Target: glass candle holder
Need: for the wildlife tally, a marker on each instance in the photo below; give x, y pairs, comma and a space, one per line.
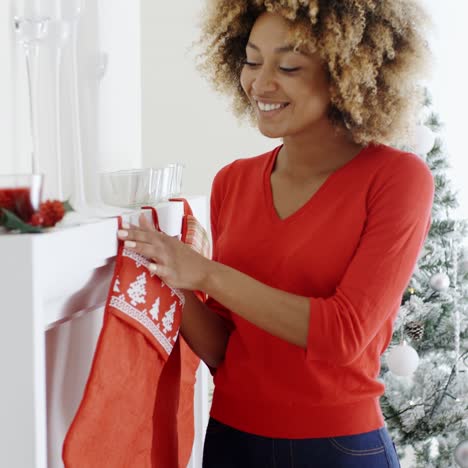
21, 194
156, 185
166, 182
176, 187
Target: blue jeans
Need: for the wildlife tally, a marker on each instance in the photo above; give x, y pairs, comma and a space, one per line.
226, 447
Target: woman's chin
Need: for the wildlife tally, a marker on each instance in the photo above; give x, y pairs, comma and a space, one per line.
270, 132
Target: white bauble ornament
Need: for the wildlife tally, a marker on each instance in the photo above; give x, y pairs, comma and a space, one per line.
464, 266
461, 454
464, 261
440, 282
402, 360
423, 140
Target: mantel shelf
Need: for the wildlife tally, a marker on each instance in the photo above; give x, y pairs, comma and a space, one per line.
53, 287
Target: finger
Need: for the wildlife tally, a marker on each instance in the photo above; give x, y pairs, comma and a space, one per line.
148, 250
145, 224
158, 269
133, 232
137, 235
128, 225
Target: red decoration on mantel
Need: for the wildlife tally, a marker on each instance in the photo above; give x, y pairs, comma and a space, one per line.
17, 212
37, 220
52, 212
7, 199
18, 201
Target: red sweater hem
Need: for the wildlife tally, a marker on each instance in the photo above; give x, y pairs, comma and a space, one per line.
290, 421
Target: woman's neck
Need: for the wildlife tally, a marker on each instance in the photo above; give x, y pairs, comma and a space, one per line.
315, 153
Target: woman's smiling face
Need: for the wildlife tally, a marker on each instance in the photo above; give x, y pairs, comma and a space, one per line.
288, 90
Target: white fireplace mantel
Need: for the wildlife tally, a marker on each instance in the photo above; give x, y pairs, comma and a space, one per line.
53, 288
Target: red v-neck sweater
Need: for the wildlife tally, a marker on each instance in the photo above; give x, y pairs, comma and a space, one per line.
351, 249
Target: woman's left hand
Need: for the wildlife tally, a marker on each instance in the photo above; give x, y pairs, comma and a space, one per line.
177, 264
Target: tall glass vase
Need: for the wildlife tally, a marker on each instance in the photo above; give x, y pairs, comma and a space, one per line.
30, 31
71, 13
78, 197
58, 38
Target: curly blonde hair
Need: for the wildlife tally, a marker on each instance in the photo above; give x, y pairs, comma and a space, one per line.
374, 50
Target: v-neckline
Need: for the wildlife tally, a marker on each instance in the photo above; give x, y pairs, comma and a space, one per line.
268, 190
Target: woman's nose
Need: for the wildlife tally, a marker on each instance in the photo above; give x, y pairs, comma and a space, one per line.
263, 82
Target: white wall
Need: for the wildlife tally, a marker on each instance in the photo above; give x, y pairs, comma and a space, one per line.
183, 119
120, 89
449, 86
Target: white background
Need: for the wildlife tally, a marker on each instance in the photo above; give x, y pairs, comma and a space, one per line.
449, 86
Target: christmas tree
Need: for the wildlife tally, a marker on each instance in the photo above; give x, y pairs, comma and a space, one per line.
427, 409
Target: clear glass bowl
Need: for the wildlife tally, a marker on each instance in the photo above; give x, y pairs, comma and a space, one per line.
21, 194
128, 188
136, 187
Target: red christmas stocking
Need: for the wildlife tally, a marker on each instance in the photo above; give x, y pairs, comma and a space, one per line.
128, 416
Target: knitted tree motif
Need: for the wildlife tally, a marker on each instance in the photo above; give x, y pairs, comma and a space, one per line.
154, 312
116, 285
137, 290
168, 319
136, 257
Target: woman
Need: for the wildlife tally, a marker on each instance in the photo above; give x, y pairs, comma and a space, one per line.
315, 241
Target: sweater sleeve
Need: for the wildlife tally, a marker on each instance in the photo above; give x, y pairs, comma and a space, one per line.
217, 195
399, 204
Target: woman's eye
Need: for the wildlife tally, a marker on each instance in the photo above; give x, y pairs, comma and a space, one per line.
283, 69
289, 70
250, 64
